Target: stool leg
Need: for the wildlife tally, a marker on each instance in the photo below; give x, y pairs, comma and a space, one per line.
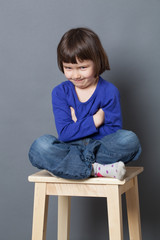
40, 211
64, 205
133, 211
114, 206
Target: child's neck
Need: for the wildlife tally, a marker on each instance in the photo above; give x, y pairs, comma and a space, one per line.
84, 94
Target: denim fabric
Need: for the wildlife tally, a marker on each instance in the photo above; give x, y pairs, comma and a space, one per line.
73, 160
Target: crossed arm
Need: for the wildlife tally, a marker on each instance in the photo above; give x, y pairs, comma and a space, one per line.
98, 117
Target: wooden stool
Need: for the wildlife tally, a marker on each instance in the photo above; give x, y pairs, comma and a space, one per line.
110, 188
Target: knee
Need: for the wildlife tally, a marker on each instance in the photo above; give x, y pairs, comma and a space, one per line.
43, 142
41, 145
130, 139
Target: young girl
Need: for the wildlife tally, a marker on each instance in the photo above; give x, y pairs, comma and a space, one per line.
87, 115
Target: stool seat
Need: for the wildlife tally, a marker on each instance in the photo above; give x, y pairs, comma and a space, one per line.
110, 188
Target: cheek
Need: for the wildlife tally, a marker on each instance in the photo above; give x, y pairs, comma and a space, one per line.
67, 74
90, 74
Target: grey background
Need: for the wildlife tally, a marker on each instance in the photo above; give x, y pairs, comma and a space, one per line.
29, 33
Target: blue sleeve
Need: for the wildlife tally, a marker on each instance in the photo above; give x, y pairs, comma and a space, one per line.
67, 129
112, 110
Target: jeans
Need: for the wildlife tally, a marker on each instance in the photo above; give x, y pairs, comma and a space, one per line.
73, 160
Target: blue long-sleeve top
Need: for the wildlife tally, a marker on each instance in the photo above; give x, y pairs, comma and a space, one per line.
105, 96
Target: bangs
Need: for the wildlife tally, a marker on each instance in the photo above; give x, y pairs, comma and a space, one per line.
75, 49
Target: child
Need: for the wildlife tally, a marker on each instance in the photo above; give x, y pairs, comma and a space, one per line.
87, 115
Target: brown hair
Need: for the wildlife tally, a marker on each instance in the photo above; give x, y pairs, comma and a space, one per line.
82, 44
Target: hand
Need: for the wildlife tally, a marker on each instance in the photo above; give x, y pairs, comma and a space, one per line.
73, 115
99, 118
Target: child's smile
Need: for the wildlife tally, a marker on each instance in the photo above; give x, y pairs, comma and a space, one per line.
81, 74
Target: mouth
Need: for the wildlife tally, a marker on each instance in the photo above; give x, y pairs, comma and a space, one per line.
78, 80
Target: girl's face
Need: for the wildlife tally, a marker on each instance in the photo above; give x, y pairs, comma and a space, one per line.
81, 74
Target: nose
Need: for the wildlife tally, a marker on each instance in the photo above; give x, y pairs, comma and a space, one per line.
76, 74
